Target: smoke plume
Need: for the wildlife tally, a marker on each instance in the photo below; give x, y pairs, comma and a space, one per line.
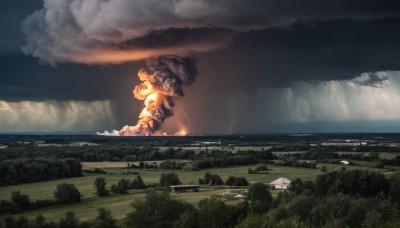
162, 80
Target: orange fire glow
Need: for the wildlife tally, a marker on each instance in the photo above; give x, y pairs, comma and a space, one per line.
162, 80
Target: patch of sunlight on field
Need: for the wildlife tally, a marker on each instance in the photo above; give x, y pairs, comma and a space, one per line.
101, 165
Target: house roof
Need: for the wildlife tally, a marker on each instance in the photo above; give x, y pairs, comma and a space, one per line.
281, 181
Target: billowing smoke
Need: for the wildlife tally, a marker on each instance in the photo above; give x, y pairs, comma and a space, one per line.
162, 80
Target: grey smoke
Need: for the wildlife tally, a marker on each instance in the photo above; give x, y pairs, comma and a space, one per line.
162, 80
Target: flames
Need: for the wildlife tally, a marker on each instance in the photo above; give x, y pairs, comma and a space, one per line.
162, 80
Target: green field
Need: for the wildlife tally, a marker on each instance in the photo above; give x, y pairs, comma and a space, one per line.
119, 204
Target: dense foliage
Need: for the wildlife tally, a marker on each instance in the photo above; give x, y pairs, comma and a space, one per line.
236, 181
211, 179
123, 185
302, 205
67, 193
100, 184
20, 171
168, 179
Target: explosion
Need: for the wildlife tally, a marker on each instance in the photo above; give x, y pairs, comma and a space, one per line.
162, 80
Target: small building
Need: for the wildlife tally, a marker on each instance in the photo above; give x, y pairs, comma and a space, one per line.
280, 183
184, 188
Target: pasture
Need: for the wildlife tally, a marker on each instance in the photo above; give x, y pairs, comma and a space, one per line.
119, 205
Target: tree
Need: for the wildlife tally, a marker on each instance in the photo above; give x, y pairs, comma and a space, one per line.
138, 183
168, 179
262, 167
104, 219
301, 206
394, 190
100, 184
69, 221
216, 180
284, 198
236, 181
213, 212
21, 200
67, 193
207, 177
260, 198
256, 221
121, 187
11, 222
296, 186
156, 210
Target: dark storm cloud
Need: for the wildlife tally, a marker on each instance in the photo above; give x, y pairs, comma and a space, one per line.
242, 48
12, 12
90, 31
324, 51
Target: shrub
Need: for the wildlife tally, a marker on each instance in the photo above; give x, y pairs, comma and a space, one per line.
67, 193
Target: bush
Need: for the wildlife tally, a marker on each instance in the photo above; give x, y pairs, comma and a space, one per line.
168, 179
69, 221
104, 219
138, 183
39, 203
236, 181
156, 210
215, 180
67, 193
121, 187
262, 167
21, 200
260, 198
100, 184
211, 179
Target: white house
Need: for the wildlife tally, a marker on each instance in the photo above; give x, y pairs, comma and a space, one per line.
345, 162
280, 183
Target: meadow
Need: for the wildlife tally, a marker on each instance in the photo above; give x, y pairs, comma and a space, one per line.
119, 205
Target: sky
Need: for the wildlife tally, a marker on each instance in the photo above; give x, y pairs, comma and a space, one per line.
264, 66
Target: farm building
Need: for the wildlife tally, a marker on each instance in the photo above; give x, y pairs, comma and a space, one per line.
280, 183
345, 162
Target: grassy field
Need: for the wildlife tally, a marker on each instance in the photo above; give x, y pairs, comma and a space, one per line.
119, 204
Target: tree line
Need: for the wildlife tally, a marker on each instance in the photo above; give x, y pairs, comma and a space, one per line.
20, 171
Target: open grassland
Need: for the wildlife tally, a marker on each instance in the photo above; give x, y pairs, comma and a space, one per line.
120, 204
102, 165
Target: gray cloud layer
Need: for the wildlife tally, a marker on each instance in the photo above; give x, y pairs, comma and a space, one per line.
114, 31
54, 115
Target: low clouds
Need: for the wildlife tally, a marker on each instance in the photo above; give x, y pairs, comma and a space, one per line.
378, 79
113, 31
334, 101
54, 116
